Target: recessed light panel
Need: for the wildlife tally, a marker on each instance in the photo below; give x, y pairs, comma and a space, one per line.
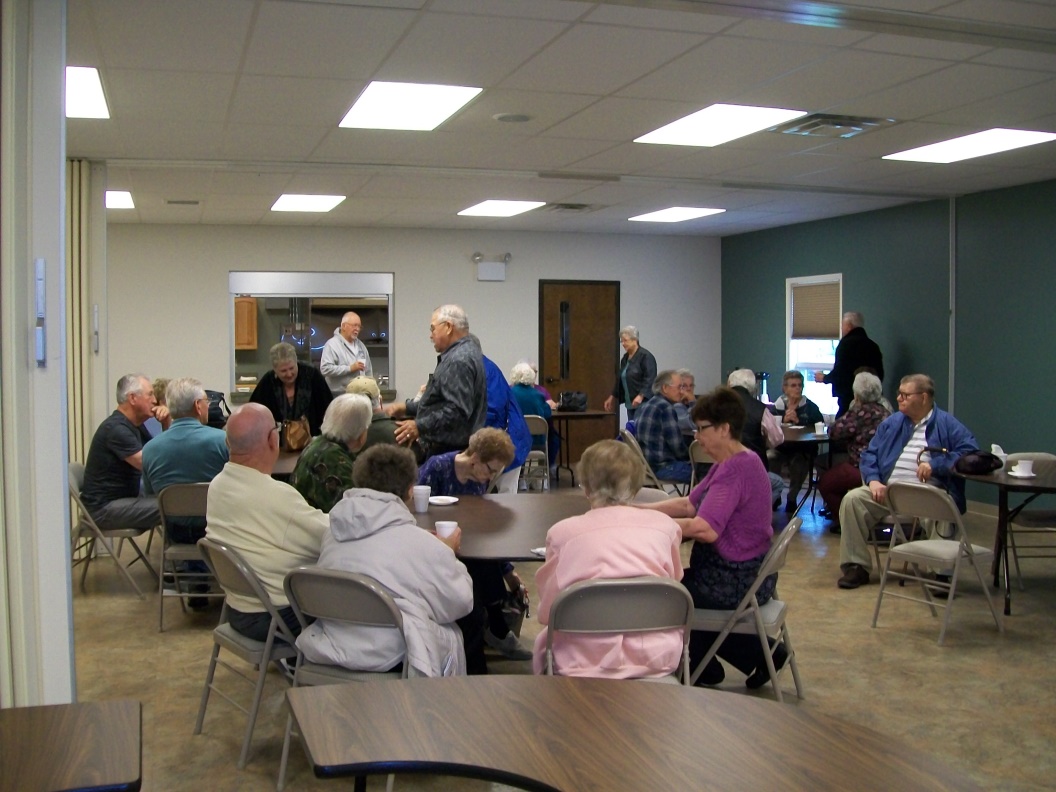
289, 202
84, 93
500, 208
119, 199
717, 124
992, 141
389, 105
675, 214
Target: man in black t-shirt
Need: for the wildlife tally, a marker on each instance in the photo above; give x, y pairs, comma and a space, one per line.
115, 459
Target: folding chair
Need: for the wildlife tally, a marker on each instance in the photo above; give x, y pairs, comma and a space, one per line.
537, 466
750, 618
698, 456
348, 598
650, 477
1035, 523
623, 605
925, 502
85, 533
235, 576
181, 500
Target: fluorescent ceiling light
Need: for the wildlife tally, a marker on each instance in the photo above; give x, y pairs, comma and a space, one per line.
676, 214
119, 199
500, 208
84, 93
717, 124
289, 202
979, 144
389, 105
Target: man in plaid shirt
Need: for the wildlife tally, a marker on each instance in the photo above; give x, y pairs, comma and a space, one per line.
658, 432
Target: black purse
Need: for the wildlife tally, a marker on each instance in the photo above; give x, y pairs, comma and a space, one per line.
974, 463
572, 401
218, 409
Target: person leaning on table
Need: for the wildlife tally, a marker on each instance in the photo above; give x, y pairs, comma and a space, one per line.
899, 451
293, 390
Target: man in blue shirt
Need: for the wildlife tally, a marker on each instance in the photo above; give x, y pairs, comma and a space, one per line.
658, 433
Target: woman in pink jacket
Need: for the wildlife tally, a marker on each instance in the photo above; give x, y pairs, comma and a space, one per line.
612, 540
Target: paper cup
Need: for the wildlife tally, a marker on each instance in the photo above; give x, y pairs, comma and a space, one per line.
444, 528
1024, 467
819, 427
421, 498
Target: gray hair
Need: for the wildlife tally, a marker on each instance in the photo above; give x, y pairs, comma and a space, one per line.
867, 388
630, 331
131, 383
455, 315
742, 378
611, 473
522, 374
922, 381
181, 394
684, 372
663, 378
854, 319
282, 353
347, 417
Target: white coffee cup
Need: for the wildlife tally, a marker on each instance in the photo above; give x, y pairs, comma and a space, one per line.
819, 427
421, 498
1024, 467
444, 528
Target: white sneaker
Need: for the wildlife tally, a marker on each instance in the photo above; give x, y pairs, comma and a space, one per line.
509, 647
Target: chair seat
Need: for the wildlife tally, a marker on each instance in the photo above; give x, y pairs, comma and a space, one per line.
312, 674
937, 550
773, 613
249, 649
1035, 518
183, 552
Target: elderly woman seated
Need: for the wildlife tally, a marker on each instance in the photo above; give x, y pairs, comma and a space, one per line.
293, 390
372, 532
470, 472
612, 540
856, 427
324, 468
727, 516
533, 402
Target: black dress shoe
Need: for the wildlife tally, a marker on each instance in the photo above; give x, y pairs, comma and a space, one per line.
761, 675
713, 673
790, 505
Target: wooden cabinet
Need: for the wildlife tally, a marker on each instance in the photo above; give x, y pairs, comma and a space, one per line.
245, 323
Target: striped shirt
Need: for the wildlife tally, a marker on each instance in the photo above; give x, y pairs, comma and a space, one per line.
906, 465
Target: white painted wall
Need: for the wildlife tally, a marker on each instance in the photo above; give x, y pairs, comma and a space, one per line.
170, 312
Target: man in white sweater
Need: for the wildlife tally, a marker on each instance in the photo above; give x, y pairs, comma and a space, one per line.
268, 522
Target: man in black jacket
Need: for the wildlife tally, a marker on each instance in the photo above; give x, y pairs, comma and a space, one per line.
855, 350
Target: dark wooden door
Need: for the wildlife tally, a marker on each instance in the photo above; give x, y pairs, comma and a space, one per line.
579, 325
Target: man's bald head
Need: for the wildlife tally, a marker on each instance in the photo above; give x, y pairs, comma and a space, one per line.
248, 430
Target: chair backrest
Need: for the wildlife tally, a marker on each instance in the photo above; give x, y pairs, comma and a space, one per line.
650, 477
183, 500
923, 502
76, 473
337, 595
537, 425
698, 456
651, 495
775, 557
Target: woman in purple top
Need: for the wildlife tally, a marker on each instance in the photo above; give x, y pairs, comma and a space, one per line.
728, 517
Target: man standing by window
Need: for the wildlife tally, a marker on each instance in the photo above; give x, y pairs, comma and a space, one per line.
855, 350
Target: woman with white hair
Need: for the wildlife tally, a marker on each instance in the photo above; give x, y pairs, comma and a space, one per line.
532, 402
634, 380
856, 427
324, 469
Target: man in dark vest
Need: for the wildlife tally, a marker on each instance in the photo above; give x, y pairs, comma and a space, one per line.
855, 350
761, 428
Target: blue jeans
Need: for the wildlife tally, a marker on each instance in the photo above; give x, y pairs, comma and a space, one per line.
675, 471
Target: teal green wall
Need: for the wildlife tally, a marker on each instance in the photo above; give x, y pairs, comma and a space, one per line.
895, 266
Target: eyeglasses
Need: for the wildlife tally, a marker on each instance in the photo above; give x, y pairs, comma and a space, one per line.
904, 395
433, 327
701, 427
685, 387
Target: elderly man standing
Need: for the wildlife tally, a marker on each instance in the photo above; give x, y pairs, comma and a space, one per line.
188, 453
920, 442
344, 355
658, 432
455, 401
855, 350
115, 459
267, 521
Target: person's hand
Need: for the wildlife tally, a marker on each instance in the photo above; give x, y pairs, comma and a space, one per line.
359, 365
790, 415
878, 491
161, 412
819, 376
552, 403
610, 404
454, 541
406, 432
395, 410
637, 400
924, 471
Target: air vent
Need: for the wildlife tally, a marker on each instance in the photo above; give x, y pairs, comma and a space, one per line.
570, 208
178, 202
832, 126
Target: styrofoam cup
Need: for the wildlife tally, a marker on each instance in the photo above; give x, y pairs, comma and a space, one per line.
421, 498
1024, 467
819, 427
444, 528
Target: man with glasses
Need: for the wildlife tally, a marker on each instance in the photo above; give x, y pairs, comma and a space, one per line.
115, 459
905, 448
686, 399
454, 403
344, 355
189, 452
656, 428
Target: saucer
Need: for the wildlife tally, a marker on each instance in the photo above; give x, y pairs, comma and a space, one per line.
1014, 474
442, 500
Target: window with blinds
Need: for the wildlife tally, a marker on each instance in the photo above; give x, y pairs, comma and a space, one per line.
815, 310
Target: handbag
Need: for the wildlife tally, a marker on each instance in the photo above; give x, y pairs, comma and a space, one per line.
572, 401
296, 434
218, 409
974, 463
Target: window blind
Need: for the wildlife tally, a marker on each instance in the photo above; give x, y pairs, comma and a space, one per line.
816, 310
